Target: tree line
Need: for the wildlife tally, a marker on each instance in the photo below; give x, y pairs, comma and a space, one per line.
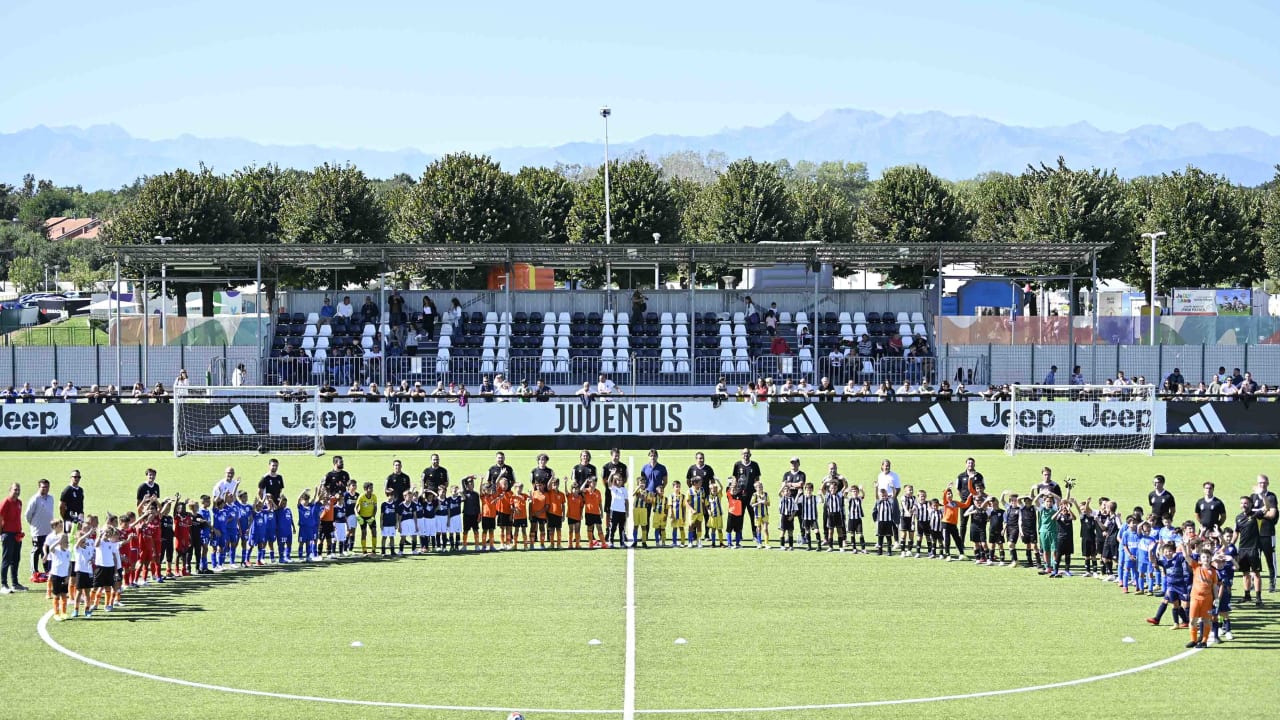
1219, 233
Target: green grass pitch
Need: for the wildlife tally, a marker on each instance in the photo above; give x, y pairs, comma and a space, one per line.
762, 629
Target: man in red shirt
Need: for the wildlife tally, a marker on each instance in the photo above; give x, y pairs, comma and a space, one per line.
10, 539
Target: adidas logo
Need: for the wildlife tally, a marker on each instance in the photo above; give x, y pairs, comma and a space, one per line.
235, 422
808, 422
933, 422
1204, 421
108, 423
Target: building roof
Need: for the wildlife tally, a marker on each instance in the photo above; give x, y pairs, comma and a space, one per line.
992, 257
65, 228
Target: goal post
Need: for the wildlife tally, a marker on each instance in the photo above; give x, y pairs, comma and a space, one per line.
236, 420
1083, 419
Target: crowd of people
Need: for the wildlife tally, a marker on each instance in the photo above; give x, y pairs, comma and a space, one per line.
89, 560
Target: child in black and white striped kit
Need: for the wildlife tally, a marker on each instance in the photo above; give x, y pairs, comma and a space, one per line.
809, 517
856, 495
923, 537
833, 514
935, 529
882, 512
908, 524
788, 507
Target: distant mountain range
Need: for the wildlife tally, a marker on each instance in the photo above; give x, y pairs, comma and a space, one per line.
106, 156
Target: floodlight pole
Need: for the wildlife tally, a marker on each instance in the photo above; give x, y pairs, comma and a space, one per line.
164, 296
605, 112
656, 272
119, 351
1151, 309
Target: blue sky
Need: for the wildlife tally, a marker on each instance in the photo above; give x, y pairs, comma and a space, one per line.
476, 76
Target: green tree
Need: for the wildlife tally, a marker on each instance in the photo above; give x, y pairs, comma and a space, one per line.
822, 213
18, 242
641, 204
908, 204
994, 201
693, 165
748, 203
27, 273
47, 202
1210, 240
1077, 206
1270, 231
463, 199
333, 205
258, 195
550, 196
850, 179
194, 208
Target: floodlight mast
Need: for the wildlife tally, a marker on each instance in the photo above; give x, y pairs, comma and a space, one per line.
605, 112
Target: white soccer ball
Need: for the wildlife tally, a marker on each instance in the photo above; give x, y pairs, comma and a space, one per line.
515, 716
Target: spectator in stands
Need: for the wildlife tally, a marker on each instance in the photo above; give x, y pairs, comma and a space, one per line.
639, 303
27, 393
340, 364
394, 348
327, 311
345, 310
1248, 388
411, 340
584, 393
1051, 377
905, 390
486, 389
944, 390
373, 393
355, 392
1077, 377
53, 391
804, 390
786, 391
1175, 380
605, 386
921, 346
835, 362
849, 390
110, 395
429, 313
722, 389
524, 393
159, 394
778, 346
803, 337
440, 393
327, 391
503, 389
764, 390
771, 319
369, 310
885, 392
1236, 378
461, 395
238, 375
139, 393
182, 381
864, 348
895, 346
455, 315
1215, 385
70, 392
543, 392
825, 390
752, 313
395, 307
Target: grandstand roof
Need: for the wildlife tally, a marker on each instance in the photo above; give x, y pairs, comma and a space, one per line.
989, 256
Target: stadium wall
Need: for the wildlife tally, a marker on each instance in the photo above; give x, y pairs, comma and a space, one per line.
674, 424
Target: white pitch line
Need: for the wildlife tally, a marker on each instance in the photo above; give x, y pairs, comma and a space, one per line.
629, 674
42, 628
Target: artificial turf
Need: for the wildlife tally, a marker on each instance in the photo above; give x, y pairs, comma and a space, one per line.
511, 629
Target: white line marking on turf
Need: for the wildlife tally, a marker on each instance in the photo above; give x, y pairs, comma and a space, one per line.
629, 674
42, 628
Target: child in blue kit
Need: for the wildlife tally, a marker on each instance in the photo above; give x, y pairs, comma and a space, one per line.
1129, 538
1146, 565
225, 532
308, 526
1165, 533
1177, 585
284, 530
244, 519
264, 528
1224, 561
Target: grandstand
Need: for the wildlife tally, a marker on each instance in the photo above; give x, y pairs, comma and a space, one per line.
690, 339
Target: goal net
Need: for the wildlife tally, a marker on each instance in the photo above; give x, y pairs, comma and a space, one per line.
225, 420
1083, 419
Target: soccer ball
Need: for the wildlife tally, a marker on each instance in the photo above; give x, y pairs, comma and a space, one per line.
262, 449
515, 716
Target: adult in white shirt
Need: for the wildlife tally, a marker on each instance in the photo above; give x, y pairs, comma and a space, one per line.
70, 392
605, 386
227, 485
346, 309
888, 479
237, 375
106, 559
181, 382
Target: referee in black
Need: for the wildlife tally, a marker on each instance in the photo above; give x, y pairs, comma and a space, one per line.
1161, 501
746, 472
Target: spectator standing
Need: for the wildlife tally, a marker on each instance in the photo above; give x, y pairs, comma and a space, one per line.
238, 375
771, 319
10, 539
429, 313
455, 315
1077, 377
1051, 378
638, 306
39, 517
